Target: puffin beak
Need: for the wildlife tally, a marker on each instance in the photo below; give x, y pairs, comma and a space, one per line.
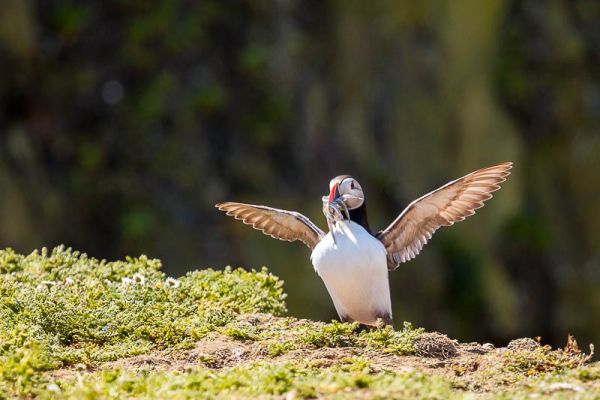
335, 193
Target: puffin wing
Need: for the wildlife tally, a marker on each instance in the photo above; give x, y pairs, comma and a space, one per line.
279, 224
453, 202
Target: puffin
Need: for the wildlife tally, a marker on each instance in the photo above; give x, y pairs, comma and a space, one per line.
352, 260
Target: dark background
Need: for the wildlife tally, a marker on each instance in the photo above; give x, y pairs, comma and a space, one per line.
122, 122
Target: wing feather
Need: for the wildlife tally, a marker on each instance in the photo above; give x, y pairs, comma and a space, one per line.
453, 202
279, 224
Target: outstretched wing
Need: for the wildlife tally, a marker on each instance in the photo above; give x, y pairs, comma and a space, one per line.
453, 202
279, 224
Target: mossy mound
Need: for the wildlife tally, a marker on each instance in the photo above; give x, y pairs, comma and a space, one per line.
76, 327
61, 308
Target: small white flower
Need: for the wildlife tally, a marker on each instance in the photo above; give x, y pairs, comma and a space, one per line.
139, 279
45, 285
53, 387
172, 283
69, 281
125, 282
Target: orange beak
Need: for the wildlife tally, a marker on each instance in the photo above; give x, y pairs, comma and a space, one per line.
335, 193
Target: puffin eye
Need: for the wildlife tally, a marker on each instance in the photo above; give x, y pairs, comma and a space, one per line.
352, 185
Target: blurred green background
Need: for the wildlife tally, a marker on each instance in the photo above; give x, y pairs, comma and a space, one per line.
122, 122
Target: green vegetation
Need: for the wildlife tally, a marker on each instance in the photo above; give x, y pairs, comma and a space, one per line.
351, 378
76, 327
61, 308
540, 361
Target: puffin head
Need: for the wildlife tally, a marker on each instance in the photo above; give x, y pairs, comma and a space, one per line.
346, 201
346, 189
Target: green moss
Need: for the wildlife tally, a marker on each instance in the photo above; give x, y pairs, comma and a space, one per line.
241, 331
335, 334
354, 379
540, 361
579, 383
397, 342
588, 374
20, 367
279, 348
61, 307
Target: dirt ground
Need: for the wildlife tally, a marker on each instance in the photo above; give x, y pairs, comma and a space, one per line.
472, 366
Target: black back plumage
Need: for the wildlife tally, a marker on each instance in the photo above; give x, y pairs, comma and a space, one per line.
359, 215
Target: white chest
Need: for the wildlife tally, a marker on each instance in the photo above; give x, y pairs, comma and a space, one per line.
354, 270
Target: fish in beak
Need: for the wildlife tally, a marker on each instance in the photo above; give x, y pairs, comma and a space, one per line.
334, 196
